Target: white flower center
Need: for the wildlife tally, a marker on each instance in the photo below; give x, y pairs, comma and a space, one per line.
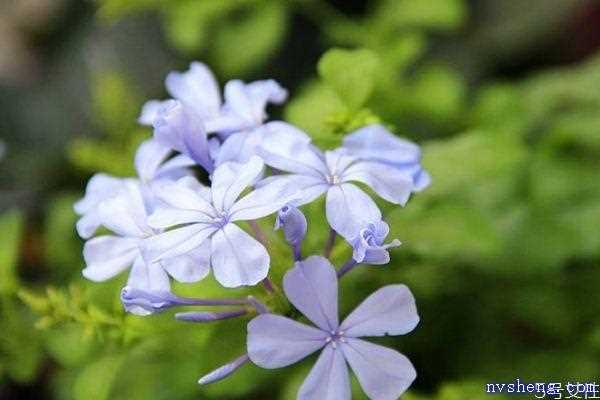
333, 179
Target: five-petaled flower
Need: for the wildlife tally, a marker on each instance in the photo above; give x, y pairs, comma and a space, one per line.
349, 209
204, 221
312, 287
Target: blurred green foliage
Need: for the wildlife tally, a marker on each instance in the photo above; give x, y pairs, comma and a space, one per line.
502, 251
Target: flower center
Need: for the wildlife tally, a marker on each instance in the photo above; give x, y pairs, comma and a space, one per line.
221, 220
335, 337
333, 179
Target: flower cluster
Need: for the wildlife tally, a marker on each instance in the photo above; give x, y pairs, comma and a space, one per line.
167, 223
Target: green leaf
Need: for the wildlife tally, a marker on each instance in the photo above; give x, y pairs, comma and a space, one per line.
63, 249
116, 105
452, 231
20, 349
187, 23
11, 226
311, 110
111, 10
247, 43
438, 15
96, 380
350, 73
476, 163
437, 93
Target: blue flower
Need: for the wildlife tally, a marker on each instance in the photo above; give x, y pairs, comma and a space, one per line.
197, 111
203, 221
152, 164
106, 256
348, 208
312, 287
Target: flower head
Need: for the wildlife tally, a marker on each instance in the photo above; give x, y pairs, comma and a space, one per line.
204, 221
196, 111
106, 256
348, 208
311, 286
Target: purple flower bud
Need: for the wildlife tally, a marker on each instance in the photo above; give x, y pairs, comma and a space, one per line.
369, 247
294, 227
209, 316
142, 302
224, 371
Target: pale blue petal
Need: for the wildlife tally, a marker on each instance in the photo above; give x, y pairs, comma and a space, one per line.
190, 267
186, 194
312, 287
177, 127
249, 101
422, 180
107, 256
175, 168
349, 209
309, 187
230, 179
237, 258
384, 374
197, 88
163, 218
376, 143
150, 111
175, 242
240, 146
88, 224
148, 158
275, 341
390, 310
338, 162
150, 277
99, 188
288, 149
391, 184
125, 214
328, 379
239, 103
264, 201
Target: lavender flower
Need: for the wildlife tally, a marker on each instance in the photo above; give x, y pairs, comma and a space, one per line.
106, 256
311, 286
152, 165
375, 143
348, 208
198, 214
369, 247
197, 111
294, 227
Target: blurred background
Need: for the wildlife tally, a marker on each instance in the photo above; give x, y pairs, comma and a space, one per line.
502, 252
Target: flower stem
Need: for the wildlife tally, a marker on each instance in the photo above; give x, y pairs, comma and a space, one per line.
212, 302
329, 244
258, 306
268, 285
258, 233
347, 267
